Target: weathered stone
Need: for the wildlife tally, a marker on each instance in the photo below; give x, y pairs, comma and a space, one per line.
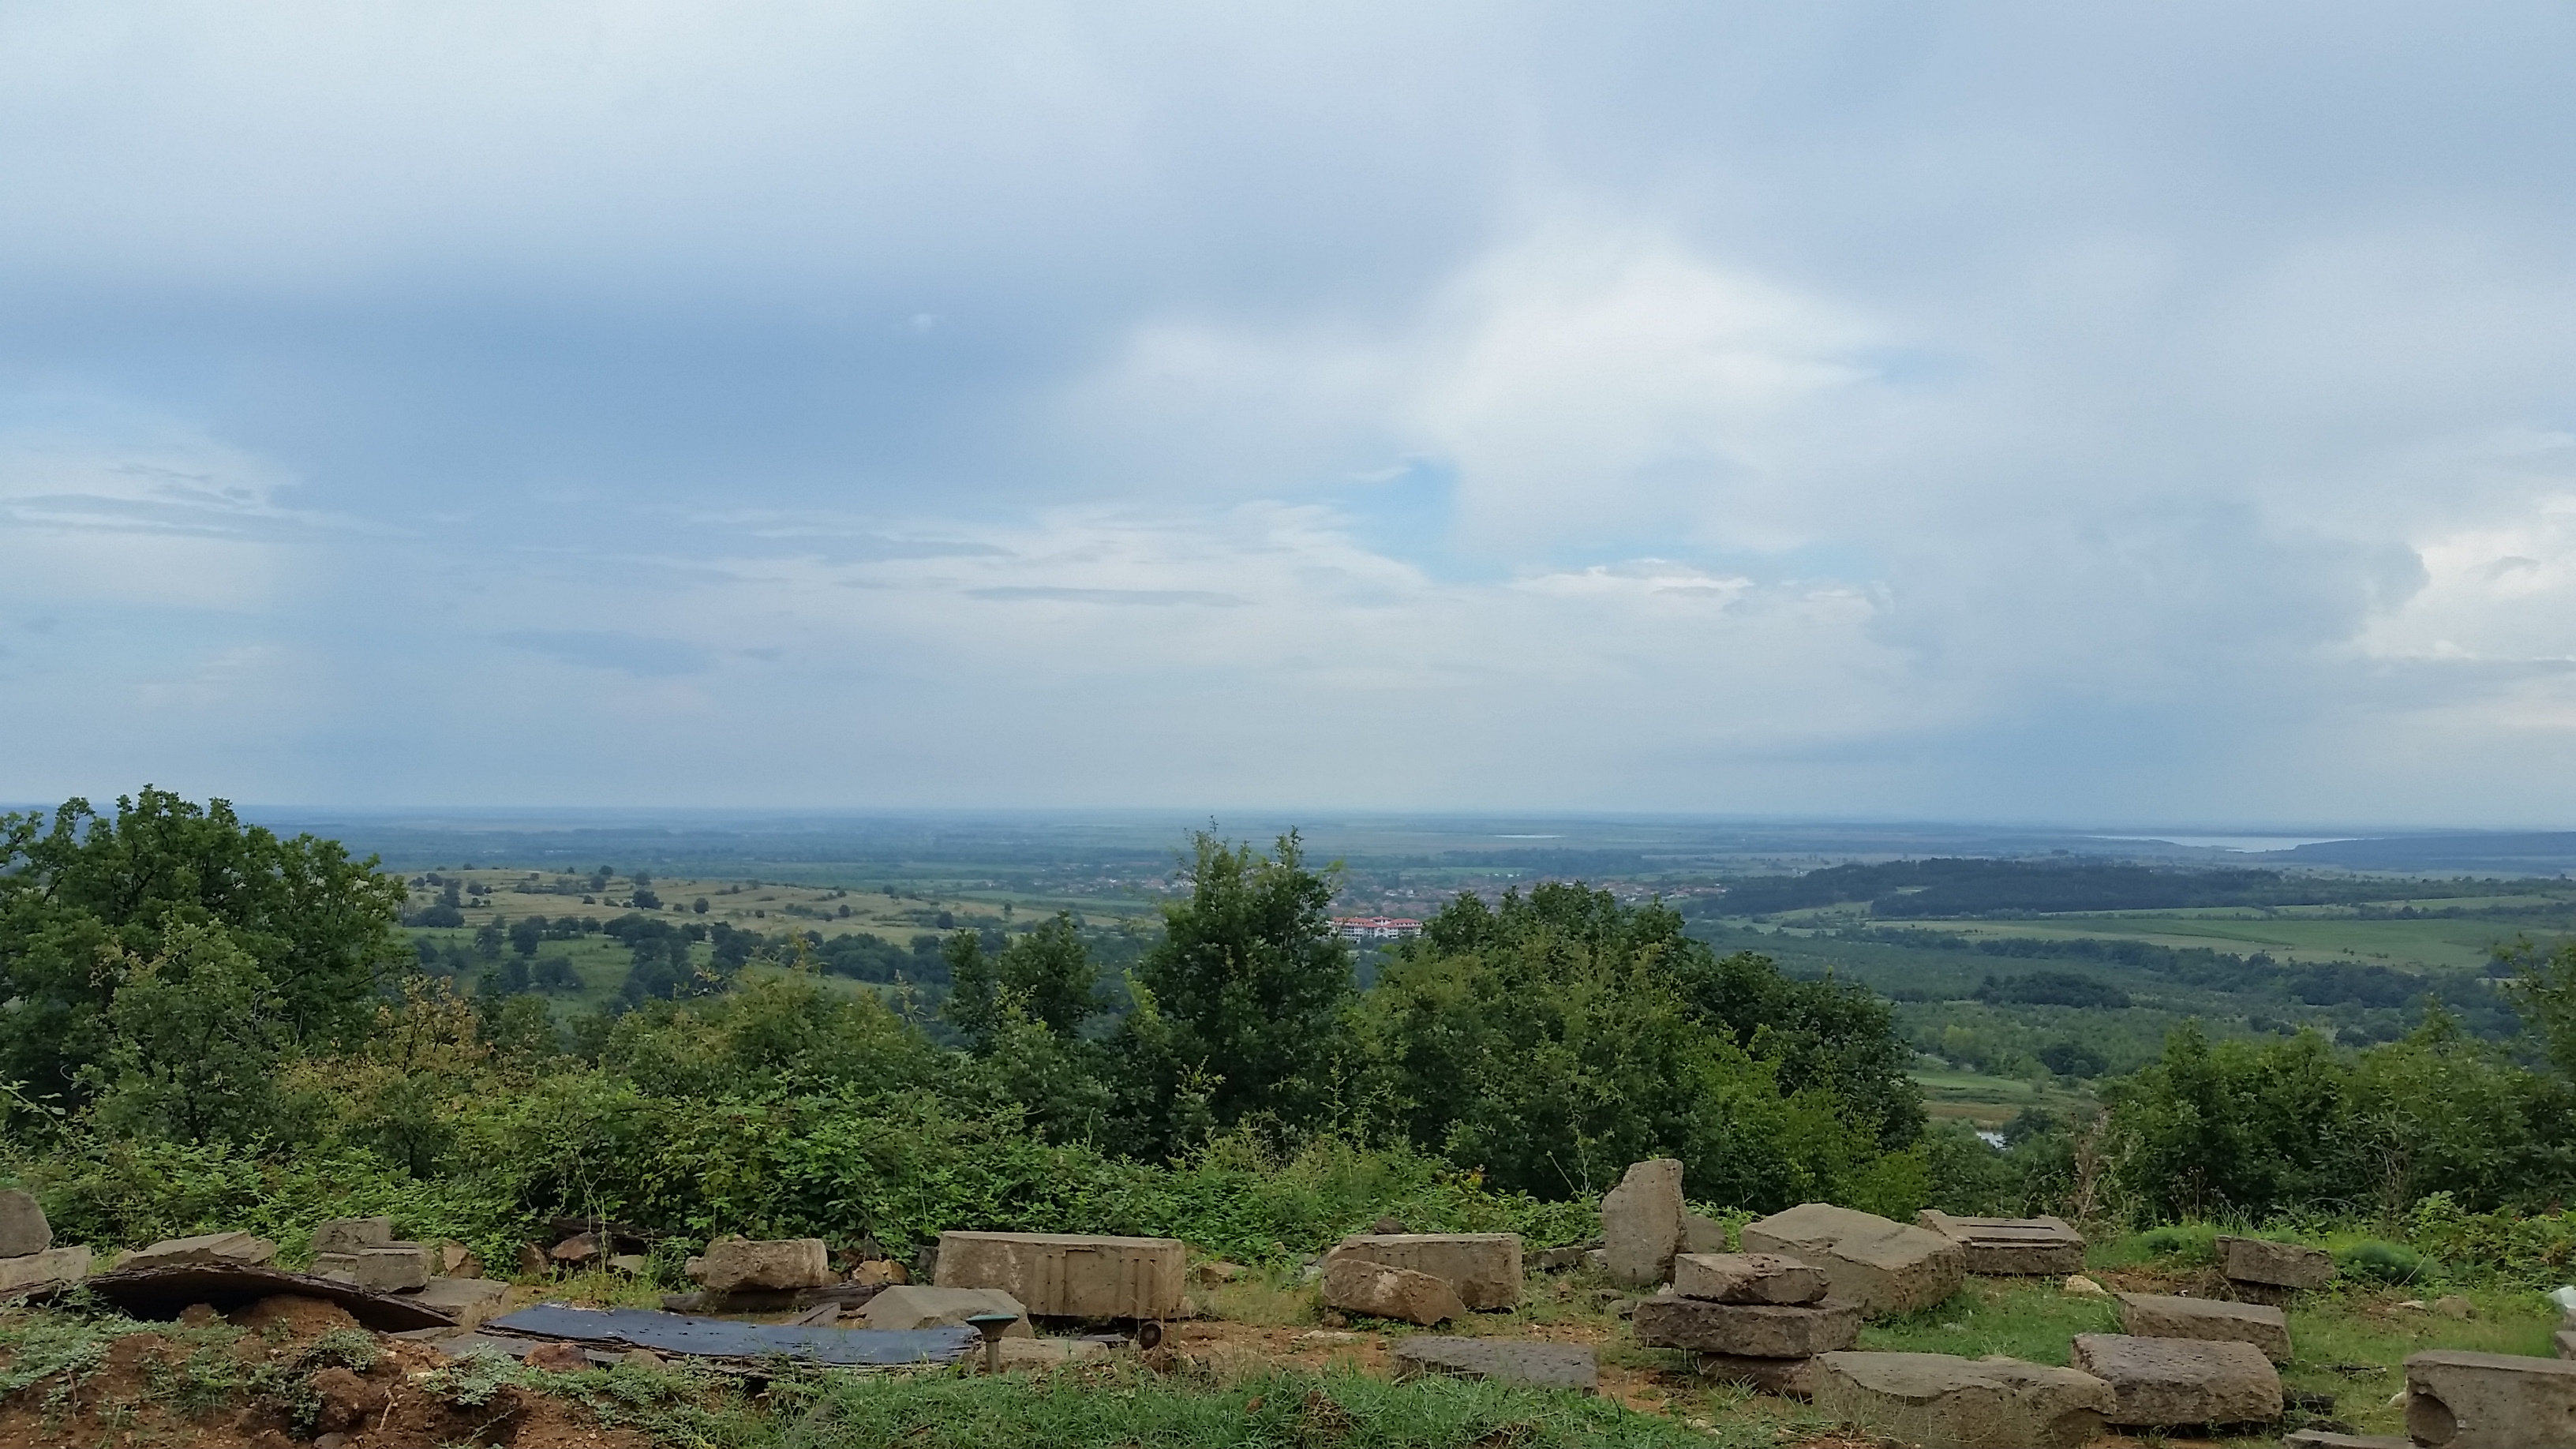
578, 1249
1597, 1260
2282, 1265
1558, 1260
2565, 1339
2032, 1247
468, 1300
2162, 1315
389, 1268
631, 1264
2165, 1382
914, 1307
734, 1264
1483, 1268
203, 1248
533, 1260
2079, 1286
1747, 1278
1749, 1330
556, 1358
1641, 1222
1388, 1227
346, 1235
1511, 1361
23, 1229
1702, 1233
1788, 1378
2326, 1439
1062, 1275
2461, 1400
1886, 1267
30, 1271
1942, 1402
452, 1259
1356, 1285
2453, 1305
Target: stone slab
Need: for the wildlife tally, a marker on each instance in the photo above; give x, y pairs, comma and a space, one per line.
1641, 1222
731, 1265
1787, 1378
1511, 1361
241, 1248
23, 1229
468, 1300
2164, 1315
2173, 1382
2280, 1265
1484, 1268
1064, 1275
51, 1267
2565, 1342
387, 1268
914, 1306
1942, 1402
1886, 1267
1702, 1233
2456, 1399
2010, 1247
1748, 1330
345, 1235
1356, 1285
1747, 1278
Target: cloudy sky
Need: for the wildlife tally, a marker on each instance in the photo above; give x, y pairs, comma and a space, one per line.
2158, 413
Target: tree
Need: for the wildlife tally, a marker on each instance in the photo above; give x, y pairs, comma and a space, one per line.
317, 924
1246, 988
198, 1032
527, 934
1045, 975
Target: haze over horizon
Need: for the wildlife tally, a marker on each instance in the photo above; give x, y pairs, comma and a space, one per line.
2162, 414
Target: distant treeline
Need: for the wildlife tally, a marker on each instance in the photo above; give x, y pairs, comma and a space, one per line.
1921, 889
2315, 983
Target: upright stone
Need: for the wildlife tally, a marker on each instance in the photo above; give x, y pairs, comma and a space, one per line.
347, 1235
909, 1306
1510, 1361
1748, 1330
2461, 1400
1484, 1268
1641, 1222
2278, 1265
737, 1265
1356, 1285
1941, 1402
23, 1229
2004, 1247
1747, 1278
1702, 1233
1886, 1267
2169, 1382
2163, 1315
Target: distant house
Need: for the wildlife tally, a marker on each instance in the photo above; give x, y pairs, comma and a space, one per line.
1375, 928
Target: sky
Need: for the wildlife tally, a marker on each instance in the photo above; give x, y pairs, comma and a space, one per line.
2157, 413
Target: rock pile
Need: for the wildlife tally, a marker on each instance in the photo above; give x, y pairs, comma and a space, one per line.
1423, 1278
1756, 1318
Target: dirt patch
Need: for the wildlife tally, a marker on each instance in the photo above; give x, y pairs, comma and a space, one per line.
293, 1317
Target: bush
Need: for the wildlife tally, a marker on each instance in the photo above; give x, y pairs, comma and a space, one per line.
2380, 1262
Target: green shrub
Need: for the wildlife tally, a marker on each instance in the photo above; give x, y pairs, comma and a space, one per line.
2381, 1262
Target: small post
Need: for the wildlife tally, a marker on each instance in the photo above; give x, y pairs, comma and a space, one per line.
991, 1325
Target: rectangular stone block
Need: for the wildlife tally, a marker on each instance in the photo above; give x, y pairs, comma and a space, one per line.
1886, 1267
387, 1268
2163, 1315
1484, 1268
203, 1248
1511, 1361
2003, 1247
2281, 1265
2456, 1399
29, 1271
1061, 1275
1748, 1330
1938, 1401
347, 1235
1747, 1278
2160, 1383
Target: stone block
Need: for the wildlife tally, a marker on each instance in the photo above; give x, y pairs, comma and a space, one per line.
1511, 1361
1886, 1267
1748, 1330
2565, 1340
2005, 1247
2162, 1315
910, 1306
347, 1235
468, 1300
2281, 1265
1702, 1233
1641, 1222
732, 1265
2169, 1382
388, 1268
239, 1248
2461, 1400
1063, 1275
1356, 1285
29, 1271
1747, 1278
1483, 1268
1788, 1378
1942, 1402
23, 1229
